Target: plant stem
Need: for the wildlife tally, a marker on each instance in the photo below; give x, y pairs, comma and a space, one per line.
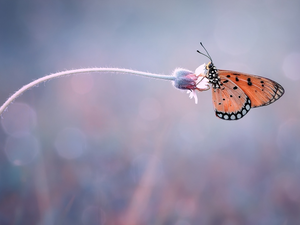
78, 71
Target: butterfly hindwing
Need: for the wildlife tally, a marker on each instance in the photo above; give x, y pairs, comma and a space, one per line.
261, 91
230, 101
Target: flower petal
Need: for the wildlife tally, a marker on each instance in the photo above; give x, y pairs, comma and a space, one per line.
200, 71
192, 94
203, 83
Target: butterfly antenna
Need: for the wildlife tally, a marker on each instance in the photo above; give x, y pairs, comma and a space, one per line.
207, 54
202, 54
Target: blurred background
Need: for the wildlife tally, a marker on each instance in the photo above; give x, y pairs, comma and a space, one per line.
119, 149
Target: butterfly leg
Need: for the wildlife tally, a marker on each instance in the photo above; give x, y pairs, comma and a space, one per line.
202, 89
200, 80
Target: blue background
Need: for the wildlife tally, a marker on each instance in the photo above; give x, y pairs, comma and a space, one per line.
124, 150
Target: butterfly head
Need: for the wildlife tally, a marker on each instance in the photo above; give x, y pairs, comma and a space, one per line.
211, 71
209, 66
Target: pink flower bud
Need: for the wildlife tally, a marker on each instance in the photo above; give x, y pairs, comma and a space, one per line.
187, 80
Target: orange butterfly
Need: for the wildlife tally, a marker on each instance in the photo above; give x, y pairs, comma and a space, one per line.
235, 93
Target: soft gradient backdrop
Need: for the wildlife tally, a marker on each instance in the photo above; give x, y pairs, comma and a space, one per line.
117, 149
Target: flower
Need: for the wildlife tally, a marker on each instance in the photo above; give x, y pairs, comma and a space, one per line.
187, 80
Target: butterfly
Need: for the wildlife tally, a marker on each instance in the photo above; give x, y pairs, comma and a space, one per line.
235, 93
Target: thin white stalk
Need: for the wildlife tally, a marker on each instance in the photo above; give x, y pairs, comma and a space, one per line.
77, 71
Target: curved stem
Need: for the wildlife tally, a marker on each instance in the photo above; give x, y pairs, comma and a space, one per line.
77, 71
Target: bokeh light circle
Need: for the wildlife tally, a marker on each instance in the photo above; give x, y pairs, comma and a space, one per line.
18, 120
21, 150
291, 66
70, 143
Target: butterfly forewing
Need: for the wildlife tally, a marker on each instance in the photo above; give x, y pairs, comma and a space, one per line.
261, 91
230, 101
